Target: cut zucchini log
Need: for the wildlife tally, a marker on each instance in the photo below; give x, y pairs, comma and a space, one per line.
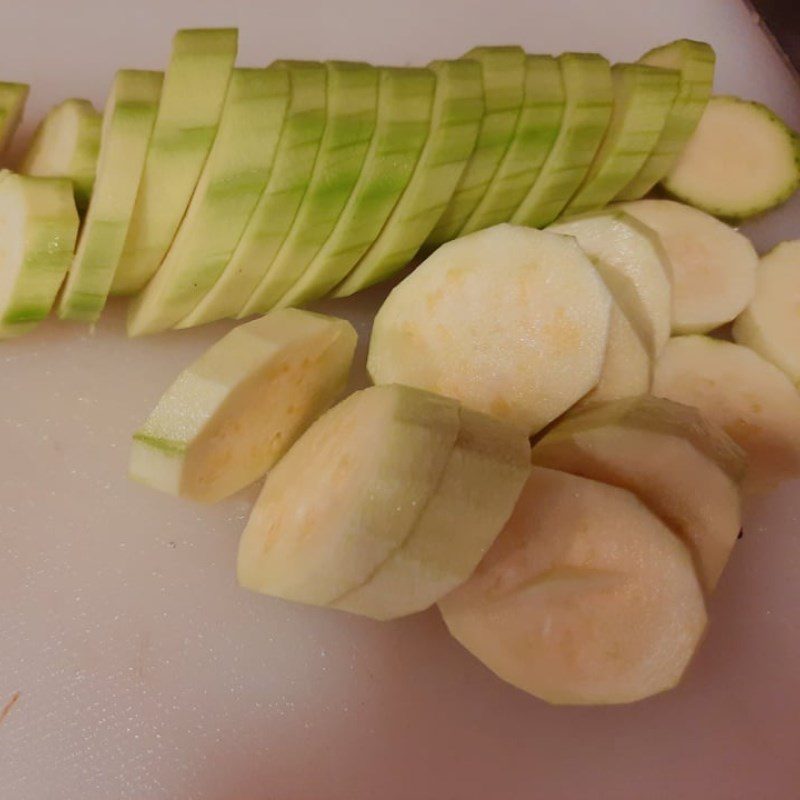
38, 228
351, 117
235, 173
537, 128
695, 62
683, 468
231, 415
713, 266
128, 119
348, 494
275, 211
194, 90
455, 120
740, 161
643, 97
770, 325
66, 145
12, 103
589, 97
752, 400
405, 97
503, 71
511, 321
629, 257
586, 597
475, 496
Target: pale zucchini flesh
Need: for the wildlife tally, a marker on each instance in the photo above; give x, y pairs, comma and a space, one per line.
752, 400
586, 597
713, 266
770, 325
194, 89
629, 257
740, 161
402, 126
474, 498
275, 211
511, 321
128, 118
455, 120
503, 75
38, 228
643, 97
347, 494
695, 61
351, 116
66, 145
589, 96
685, 469
229, 417
537, 128
235, 173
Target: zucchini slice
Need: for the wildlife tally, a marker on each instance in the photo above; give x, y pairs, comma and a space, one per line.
510, 321
229, 417
38, 228
741, 161
752, 400
195, 85
235, 173
348, 494
586, 597
128, 119
713, 266
66, 145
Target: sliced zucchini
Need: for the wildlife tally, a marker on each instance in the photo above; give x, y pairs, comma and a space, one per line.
481, 482
683, 468
713, 266
770, 325
38, 228
589, 97
235, 173
347, 494
188, 115
695, 62
586, 597
503, 74
351, 117
740, 161
276, 208
66, 145
403, 123
455, 119
12, 103
755, 403
643, 97
629, 257
128, 119
537, 128
229, 417
511, 321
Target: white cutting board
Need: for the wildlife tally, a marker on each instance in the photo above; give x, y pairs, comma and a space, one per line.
141, 672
